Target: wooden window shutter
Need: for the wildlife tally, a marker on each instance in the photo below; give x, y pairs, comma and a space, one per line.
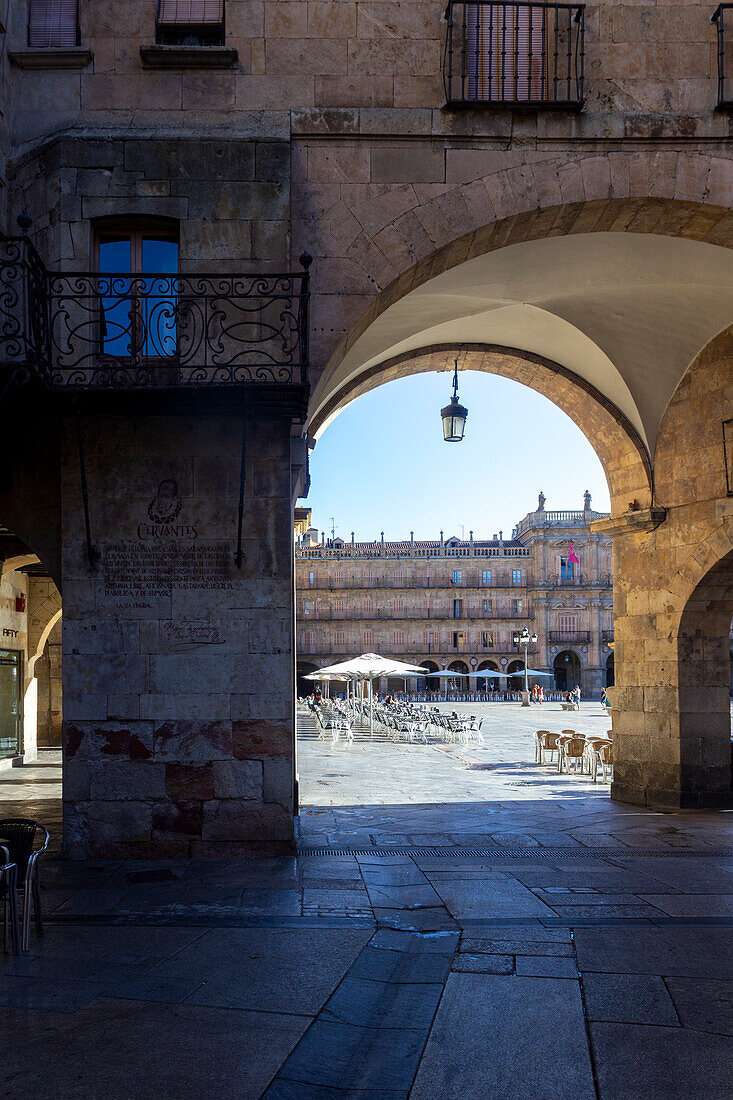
52, 23
191, 13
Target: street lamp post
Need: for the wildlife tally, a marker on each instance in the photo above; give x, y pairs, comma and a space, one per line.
524, 639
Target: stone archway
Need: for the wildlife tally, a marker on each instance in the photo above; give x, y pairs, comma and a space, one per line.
304, 687
622, 452
567, 669
649, 421
670, 606
703, 644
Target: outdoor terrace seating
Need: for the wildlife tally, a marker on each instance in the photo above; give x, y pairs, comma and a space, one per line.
576, 752
19, 837
9, 897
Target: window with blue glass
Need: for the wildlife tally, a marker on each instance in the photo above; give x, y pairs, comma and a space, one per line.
457, 576
516, 576
138, 292
567, 569
486, 576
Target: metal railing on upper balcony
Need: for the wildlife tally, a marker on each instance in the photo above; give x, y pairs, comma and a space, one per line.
514, 54
87, 330
723, 18
569, 637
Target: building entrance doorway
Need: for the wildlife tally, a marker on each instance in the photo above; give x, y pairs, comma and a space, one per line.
10, 702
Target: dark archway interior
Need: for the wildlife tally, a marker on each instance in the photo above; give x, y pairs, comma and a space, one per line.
610, 672
305, 687
566, 667
703, 648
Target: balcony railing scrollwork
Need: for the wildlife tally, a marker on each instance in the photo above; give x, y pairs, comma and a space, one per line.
89, 330
723, 19
519, 54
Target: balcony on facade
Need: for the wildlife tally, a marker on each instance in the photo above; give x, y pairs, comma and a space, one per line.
518, 55
329, 583
569, 637
306, 552
434, 614
88, 331
542, 520
578, 580
723, 19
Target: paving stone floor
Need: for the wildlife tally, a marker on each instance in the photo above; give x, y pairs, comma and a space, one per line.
447, 931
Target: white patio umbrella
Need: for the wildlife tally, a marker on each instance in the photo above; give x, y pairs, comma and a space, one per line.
487, 673
449, 673
325, 677
368, 667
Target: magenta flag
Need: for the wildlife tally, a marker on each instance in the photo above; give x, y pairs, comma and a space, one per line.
572, 556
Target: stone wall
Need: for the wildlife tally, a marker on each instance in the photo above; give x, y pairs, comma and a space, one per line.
178, 685
44, 646
230, 197
374, 64
673, 599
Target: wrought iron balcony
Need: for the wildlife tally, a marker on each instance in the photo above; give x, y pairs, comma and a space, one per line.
518, 54
723, 18
569, 637
86, 330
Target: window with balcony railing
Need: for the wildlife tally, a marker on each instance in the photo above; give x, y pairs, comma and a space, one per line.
520, 54
723, 18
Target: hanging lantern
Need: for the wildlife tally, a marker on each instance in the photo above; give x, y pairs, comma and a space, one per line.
454, 415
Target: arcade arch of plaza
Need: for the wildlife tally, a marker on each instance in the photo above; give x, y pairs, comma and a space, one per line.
618, 313
628, 332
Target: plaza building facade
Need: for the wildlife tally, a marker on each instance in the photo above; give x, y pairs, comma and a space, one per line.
222, 223
460, 603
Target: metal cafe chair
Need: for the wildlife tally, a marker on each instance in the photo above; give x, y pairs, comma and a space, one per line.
18, 834
9, 896
572, 747
539, 745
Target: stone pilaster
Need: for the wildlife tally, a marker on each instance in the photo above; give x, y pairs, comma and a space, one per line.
178, 676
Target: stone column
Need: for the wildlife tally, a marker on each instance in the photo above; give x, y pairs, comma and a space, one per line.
178, 673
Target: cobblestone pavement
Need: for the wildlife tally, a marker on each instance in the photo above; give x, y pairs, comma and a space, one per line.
447, 931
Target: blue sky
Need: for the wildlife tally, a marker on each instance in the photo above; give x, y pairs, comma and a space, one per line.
382, 465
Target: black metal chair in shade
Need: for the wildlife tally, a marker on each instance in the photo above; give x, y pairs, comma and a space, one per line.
18, 835
9, 899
